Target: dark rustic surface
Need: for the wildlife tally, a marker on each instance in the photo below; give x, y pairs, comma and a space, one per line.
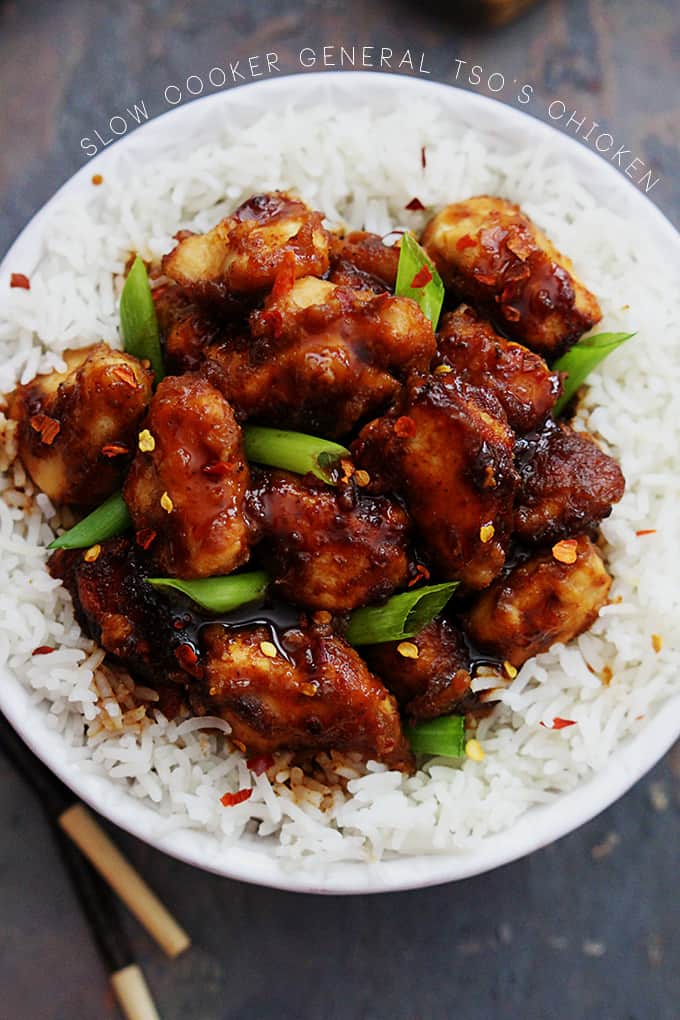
584, 929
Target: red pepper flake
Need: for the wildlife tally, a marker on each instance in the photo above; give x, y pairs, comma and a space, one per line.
422, 574
559, 724
125, 374
511, 314
114, 450
186, 656
422, 277
230, 799
423, 157
20, 280
144, 537
487, 279
217, 469
466, 241
284, 280
48, 428
645, 531
260, 763
405, 427
42, 650
97, 179
415, 205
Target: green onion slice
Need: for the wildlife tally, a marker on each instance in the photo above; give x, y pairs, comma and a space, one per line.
138, 319
414, 264
292, 451
400, 617
219, 594
110, 519
579, 362
444, 736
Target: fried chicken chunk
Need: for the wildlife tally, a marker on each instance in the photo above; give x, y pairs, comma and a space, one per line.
521, 381
491, 254
449, 450
186, 329
322, 357
117, 609
245, 251
567, 483
435, 683
362, 261
315, 693
77, 428
188, 481
326, 552
539, 603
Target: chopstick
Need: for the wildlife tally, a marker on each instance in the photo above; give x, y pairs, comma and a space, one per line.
79, 824
100, 908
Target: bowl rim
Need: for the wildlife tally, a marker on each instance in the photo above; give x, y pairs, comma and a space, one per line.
248, 860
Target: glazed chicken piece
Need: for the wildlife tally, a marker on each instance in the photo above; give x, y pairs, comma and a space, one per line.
361, 260
186, 329
521, 381
491, 254
567, 483
322, 357
245, 251
313, 693
118, 610
187, 484
541, 601
327, 550
435, 683
78, 428
449, 450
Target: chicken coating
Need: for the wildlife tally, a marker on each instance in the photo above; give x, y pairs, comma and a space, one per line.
314, 693
186, 329
541, 602
326, 550
567, 483
521, 381
78, 428
322, 357
491, 254
361, 260
435, 683
118, 609
245, 251
449, 450
188, 481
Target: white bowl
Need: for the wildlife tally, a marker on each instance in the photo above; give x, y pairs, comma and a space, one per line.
252, 860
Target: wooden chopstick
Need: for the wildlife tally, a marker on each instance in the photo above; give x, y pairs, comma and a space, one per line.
80, 825
100, 907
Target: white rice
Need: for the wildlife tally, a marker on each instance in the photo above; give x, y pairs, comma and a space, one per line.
361, 170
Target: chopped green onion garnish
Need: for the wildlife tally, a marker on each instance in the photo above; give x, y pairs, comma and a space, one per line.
444, 736
581, 360
109, 519
219, 594
138, 319
292, 451
416, 266
400, 617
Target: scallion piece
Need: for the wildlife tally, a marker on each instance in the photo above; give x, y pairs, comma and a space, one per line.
579, 362
110, 519
138, 319
219, 594
292, 451
444, 736
400, 617
416, 267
